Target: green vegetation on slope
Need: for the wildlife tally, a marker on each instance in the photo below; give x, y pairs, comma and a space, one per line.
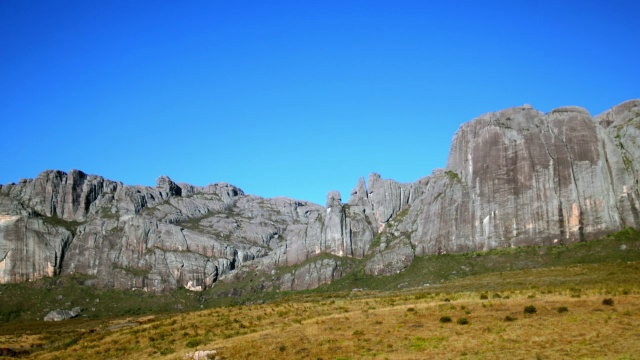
33, 300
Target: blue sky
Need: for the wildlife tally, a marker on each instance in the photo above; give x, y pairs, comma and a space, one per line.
290, 98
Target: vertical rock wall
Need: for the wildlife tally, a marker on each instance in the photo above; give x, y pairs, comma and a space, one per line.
519, 177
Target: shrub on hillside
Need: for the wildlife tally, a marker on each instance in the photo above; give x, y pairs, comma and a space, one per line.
530, 309
192, 343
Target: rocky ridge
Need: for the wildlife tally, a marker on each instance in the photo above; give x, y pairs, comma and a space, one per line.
514, 177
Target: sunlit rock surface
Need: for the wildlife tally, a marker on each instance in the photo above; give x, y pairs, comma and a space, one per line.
514, 177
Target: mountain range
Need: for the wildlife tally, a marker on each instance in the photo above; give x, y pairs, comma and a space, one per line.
514, 177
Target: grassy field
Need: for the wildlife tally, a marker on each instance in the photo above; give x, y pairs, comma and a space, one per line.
572, 302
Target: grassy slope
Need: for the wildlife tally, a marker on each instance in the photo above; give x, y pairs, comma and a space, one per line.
395, 325
32, 301
335, 322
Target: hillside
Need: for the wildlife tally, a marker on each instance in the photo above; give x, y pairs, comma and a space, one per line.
585, 299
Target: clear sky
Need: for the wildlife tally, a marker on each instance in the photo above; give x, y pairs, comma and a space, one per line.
290, 98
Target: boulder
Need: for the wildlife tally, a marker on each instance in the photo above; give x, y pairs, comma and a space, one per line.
59, 315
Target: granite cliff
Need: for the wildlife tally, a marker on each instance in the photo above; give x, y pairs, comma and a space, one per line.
515, 177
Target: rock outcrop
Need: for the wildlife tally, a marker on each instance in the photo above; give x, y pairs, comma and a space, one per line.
519, 177
514, 177
312, 275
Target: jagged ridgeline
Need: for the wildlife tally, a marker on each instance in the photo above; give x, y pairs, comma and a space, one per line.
515, 177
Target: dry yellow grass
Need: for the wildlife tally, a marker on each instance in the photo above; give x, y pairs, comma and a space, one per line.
588, 330
395, 327
377, 325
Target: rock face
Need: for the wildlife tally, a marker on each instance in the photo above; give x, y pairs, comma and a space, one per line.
519, 177
514, 177
312, 275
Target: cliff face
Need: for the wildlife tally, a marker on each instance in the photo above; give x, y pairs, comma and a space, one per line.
515, 177
519, 177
